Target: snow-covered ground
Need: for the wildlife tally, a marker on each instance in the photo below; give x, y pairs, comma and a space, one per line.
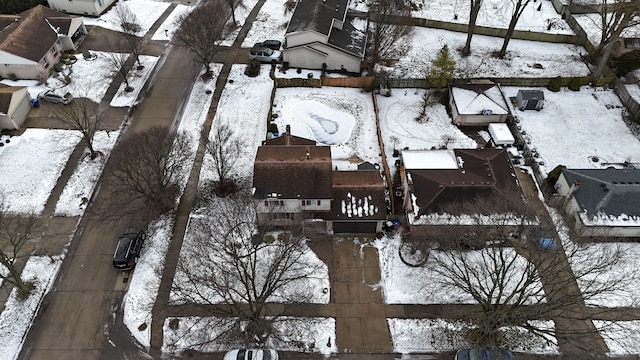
247, 119
537, 16
591, 24
146, 12
575, 121
18, 314
351, 113
340, 117
556, 59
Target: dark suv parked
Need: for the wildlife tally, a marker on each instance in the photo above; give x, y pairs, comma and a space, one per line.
128, 249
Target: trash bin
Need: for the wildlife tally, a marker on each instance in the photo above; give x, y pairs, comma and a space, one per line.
35, 103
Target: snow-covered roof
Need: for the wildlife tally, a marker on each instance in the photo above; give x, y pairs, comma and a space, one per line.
358, 195
501, 134
477, 98
607, 196
429, 159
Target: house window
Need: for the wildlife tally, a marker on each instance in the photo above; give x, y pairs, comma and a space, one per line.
100, 2
310, 202
46, 65
318, 202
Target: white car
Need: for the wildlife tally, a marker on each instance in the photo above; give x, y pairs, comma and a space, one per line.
265, 55
251, 354
53, 97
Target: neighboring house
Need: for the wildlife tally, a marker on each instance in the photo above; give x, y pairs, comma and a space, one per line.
33, 41
433, 179
530, 100
624, 45
477, 103
319, 33
293, 180
81, 7
15, 103
358, 202
604, 202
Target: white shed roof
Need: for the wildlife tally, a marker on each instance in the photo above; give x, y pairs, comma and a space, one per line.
471, 102
429, 159
501, 134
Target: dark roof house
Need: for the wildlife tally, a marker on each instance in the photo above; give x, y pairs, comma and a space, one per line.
603, 201
358, 204
320, 32
436, 178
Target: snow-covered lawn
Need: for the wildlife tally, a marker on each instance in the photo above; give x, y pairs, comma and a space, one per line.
79, 188
400, 129
271, 23
136, 80
581, 130
146, 12
436, 335
402, 284
241, 14
31, 164
591, 24
556, 59
169, 23
17, 315
143, 288
243, 106
296, 334
537, 16
312, 286
340, 117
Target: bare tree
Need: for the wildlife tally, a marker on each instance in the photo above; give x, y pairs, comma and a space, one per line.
388, 33
118, 64
233, 5
518, 9
15, 232
146, 170
615, 16
225, 149
131, 27
201, 30
496, 261
83, 116
474, 9
237, 262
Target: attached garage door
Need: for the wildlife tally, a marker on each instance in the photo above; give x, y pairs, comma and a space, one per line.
368, 227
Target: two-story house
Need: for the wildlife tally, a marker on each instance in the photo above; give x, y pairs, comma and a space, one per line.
33, 41
320, 34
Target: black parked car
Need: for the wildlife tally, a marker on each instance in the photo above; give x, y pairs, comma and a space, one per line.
128, 249
271, 44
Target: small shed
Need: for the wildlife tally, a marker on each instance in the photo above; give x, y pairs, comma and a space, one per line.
15, 103
501, 135
530, 100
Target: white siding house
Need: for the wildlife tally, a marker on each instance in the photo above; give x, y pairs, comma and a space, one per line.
320, 34
81, 7
33, 41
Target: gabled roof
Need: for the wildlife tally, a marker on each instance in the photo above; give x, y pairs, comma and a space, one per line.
316, 15
319, 15
358, 195
31, 33
613, 192
480, 172
293, 171
288, 139
475, 98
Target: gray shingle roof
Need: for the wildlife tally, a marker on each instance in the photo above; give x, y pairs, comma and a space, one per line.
29, 34
355, 190
610, 191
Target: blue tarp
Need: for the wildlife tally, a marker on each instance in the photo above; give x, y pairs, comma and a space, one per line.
547, 244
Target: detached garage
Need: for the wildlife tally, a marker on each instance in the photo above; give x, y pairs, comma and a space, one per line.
358, 204
15, 103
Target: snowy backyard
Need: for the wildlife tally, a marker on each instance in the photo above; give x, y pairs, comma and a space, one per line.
582, 129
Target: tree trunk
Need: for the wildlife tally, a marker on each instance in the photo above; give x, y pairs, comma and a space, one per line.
473, 16
606, 49
512, 26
